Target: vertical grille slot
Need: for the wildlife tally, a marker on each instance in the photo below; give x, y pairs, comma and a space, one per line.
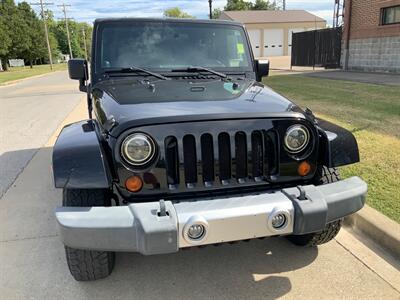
241, 156
190, 159
224, 154
271, 161
207, 157
172, 160
257, 154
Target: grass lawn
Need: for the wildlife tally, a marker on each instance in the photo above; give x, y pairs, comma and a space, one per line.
24, 72
372, 113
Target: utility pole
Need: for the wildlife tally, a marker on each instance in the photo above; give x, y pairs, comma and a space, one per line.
84, 42
46, 32
280, 4
64, 9
210, 6
338, 13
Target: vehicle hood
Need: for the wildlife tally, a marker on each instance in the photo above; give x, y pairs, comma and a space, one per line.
128, 102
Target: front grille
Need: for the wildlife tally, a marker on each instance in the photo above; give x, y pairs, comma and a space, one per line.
223, 159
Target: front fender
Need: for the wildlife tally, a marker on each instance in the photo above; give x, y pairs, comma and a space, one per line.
338, 145
79, 161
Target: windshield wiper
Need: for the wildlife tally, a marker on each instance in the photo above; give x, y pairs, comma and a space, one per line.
134, 69
199, 69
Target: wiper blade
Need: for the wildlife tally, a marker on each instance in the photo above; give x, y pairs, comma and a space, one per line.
199, 69
134, 69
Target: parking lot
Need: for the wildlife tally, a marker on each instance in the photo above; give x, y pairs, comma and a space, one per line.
32, 262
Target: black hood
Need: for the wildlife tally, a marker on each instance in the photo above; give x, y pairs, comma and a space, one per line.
131, 102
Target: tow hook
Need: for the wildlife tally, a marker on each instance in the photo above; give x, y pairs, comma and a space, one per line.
303, 194
163, 211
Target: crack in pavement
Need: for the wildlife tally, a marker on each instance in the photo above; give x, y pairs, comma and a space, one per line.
29, 238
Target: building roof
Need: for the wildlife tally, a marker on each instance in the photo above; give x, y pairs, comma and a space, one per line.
270, 16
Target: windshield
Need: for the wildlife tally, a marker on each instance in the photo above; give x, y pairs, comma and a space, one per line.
164, 46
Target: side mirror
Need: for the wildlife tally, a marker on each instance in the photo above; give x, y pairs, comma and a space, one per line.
78, 70
262, 68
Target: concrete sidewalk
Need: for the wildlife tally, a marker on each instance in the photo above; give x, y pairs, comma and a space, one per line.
280, 65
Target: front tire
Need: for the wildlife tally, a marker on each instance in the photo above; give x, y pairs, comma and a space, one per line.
87, 265
317, 238
324, 175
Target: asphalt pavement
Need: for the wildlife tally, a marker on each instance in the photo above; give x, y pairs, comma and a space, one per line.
32, 262
30, 111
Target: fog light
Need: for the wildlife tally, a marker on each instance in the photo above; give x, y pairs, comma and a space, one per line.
279, 221
196, 232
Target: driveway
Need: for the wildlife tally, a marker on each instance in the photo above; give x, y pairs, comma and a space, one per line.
32, 262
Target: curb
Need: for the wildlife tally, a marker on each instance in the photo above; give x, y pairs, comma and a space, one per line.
377, 227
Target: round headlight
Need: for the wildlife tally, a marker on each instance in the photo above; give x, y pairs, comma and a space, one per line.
296, 138
138, 149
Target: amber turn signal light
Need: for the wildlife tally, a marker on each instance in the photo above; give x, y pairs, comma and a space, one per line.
134, 184
304, 168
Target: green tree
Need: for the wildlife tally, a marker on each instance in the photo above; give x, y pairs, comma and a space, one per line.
5, 43
238, 5
55, 52
16, 28
86, 36
248, 5
176, 12
37, 44
76, 36
216, 13
77, 41
263, 5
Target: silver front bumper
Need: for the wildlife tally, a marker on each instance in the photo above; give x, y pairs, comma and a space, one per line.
140, 228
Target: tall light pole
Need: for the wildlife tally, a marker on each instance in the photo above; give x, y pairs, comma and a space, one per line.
210, 6
64, 9
46, 32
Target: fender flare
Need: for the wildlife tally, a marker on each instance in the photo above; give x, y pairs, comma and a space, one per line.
79, 161
338, 145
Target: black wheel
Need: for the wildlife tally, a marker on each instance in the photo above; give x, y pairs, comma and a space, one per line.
323, 175
86, 265
317, 238
326, 175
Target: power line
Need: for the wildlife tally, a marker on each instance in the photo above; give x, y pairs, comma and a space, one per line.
64, 9
46, 32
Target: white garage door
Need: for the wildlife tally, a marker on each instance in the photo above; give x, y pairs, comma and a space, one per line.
255, 38
273, 42
292, 30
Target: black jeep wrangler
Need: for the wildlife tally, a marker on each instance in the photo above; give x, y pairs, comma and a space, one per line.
187, 147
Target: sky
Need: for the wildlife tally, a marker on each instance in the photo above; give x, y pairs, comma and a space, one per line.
88, 10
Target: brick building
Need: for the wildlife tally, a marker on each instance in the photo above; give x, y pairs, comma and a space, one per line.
371, 37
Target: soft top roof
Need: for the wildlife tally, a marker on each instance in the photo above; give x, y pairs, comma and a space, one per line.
173, 20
